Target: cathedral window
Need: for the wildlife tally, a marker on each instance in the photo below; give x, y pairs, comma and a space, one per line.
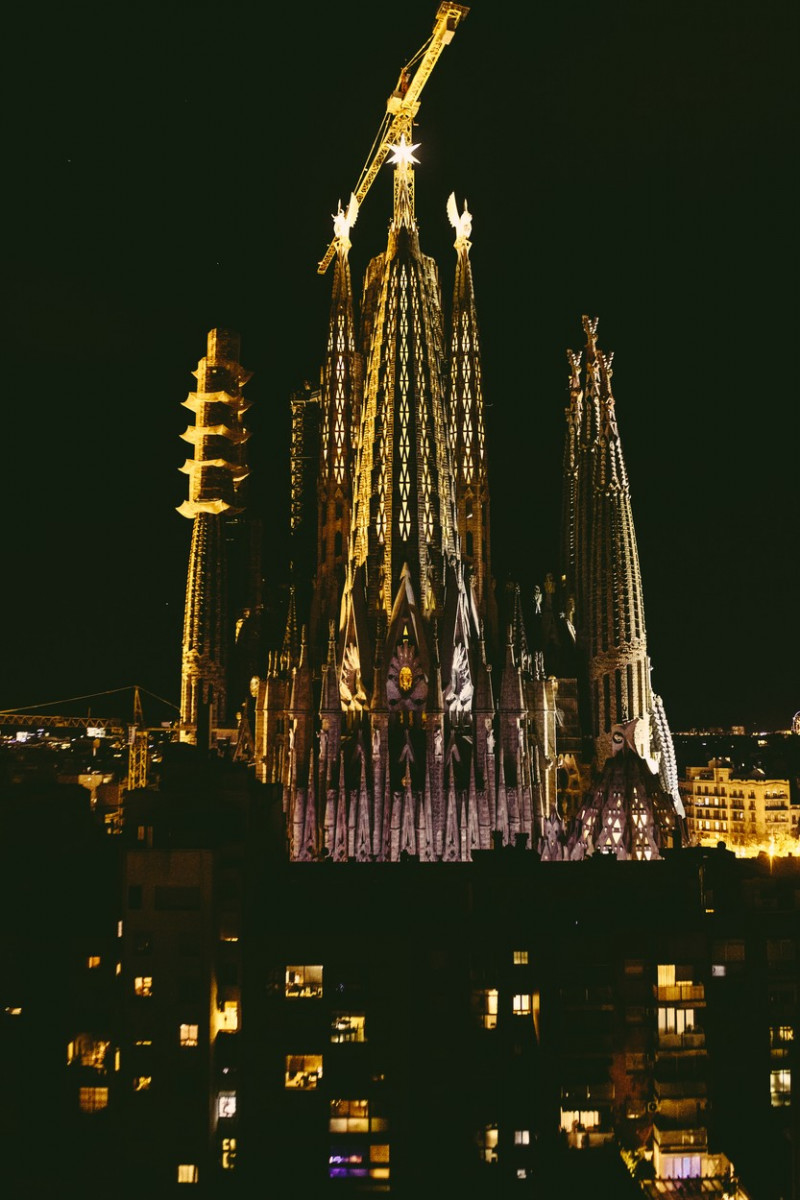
303, 1071
304, 982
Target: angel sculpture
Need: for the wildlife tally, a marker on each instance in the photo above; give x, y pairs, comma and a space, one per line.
461, 222
343, 222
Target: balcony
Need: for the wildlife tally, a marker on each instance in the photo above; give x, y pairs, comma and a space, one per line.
670, 1140
681, 993
682, 1041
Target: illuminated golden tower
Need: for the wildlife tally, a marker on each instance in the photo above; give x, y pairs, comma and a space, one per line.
340, 398
400, 747
216, 474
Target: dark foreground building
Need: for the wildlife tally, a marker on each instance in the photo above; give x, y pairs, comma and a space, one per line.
212, 1014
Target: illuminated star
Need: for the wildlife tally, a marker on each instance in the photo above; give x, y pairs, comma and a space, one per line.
403, 153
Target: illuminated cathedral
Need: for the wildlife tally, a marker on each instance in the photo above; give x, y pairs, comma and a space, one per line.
410, 710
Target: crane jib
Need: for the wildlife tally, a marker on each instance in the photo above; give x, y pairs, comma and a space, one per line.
403, 104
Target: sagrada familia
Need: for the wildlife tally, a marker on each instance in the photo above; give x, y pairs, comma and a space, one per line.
409, 709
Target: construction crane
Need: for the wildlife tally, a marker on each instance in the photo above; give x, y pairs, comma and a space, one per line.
403, 105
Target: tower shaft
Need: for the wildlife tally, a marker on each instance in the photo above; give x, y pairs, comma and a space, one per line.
216, 476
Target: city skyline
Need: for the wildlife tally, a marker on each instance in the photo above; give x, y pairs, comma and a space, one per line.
152, 211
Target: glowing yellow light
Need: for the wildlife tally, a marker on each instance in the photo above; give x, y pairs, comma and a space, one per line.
403, 154
405, 679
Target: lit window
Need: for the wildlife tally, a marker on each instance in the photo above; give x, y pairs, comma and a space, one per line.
586, 1119
349, 1116
89, 1051
522, 1137
675, 1021
93, 1099
348, 1027
521, 1006
304, 982
346, 1161
486, 1004
226, 1105
141, 1083
228, 1154
486, 1138
780, 1088
520, 958
143, 985
228, 1017
522, 1173
93, 961
303, 1070
188, 1035
11, 1010
187, 1173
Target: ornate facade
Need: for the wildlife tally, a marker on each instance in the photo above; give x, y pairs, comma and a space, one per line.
403, 715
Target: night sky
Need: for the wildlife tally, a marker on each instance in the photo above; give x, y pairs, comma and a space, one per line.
174, 167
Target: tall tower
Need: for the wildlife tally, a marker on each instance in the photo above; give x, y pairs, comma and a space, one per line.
340, 403
216, 474
601, 571
392, 741
467, 428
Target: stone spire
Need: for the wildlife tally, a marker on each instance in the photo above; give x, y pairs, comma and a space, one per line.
619, 668
467, 428
601, 570
340, 403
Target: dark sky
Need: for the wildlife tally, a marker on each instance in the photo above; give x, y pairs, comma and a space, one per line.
173, 167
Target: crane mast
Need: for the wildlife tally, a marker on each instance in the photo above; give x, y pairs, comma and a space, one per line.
403, 104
